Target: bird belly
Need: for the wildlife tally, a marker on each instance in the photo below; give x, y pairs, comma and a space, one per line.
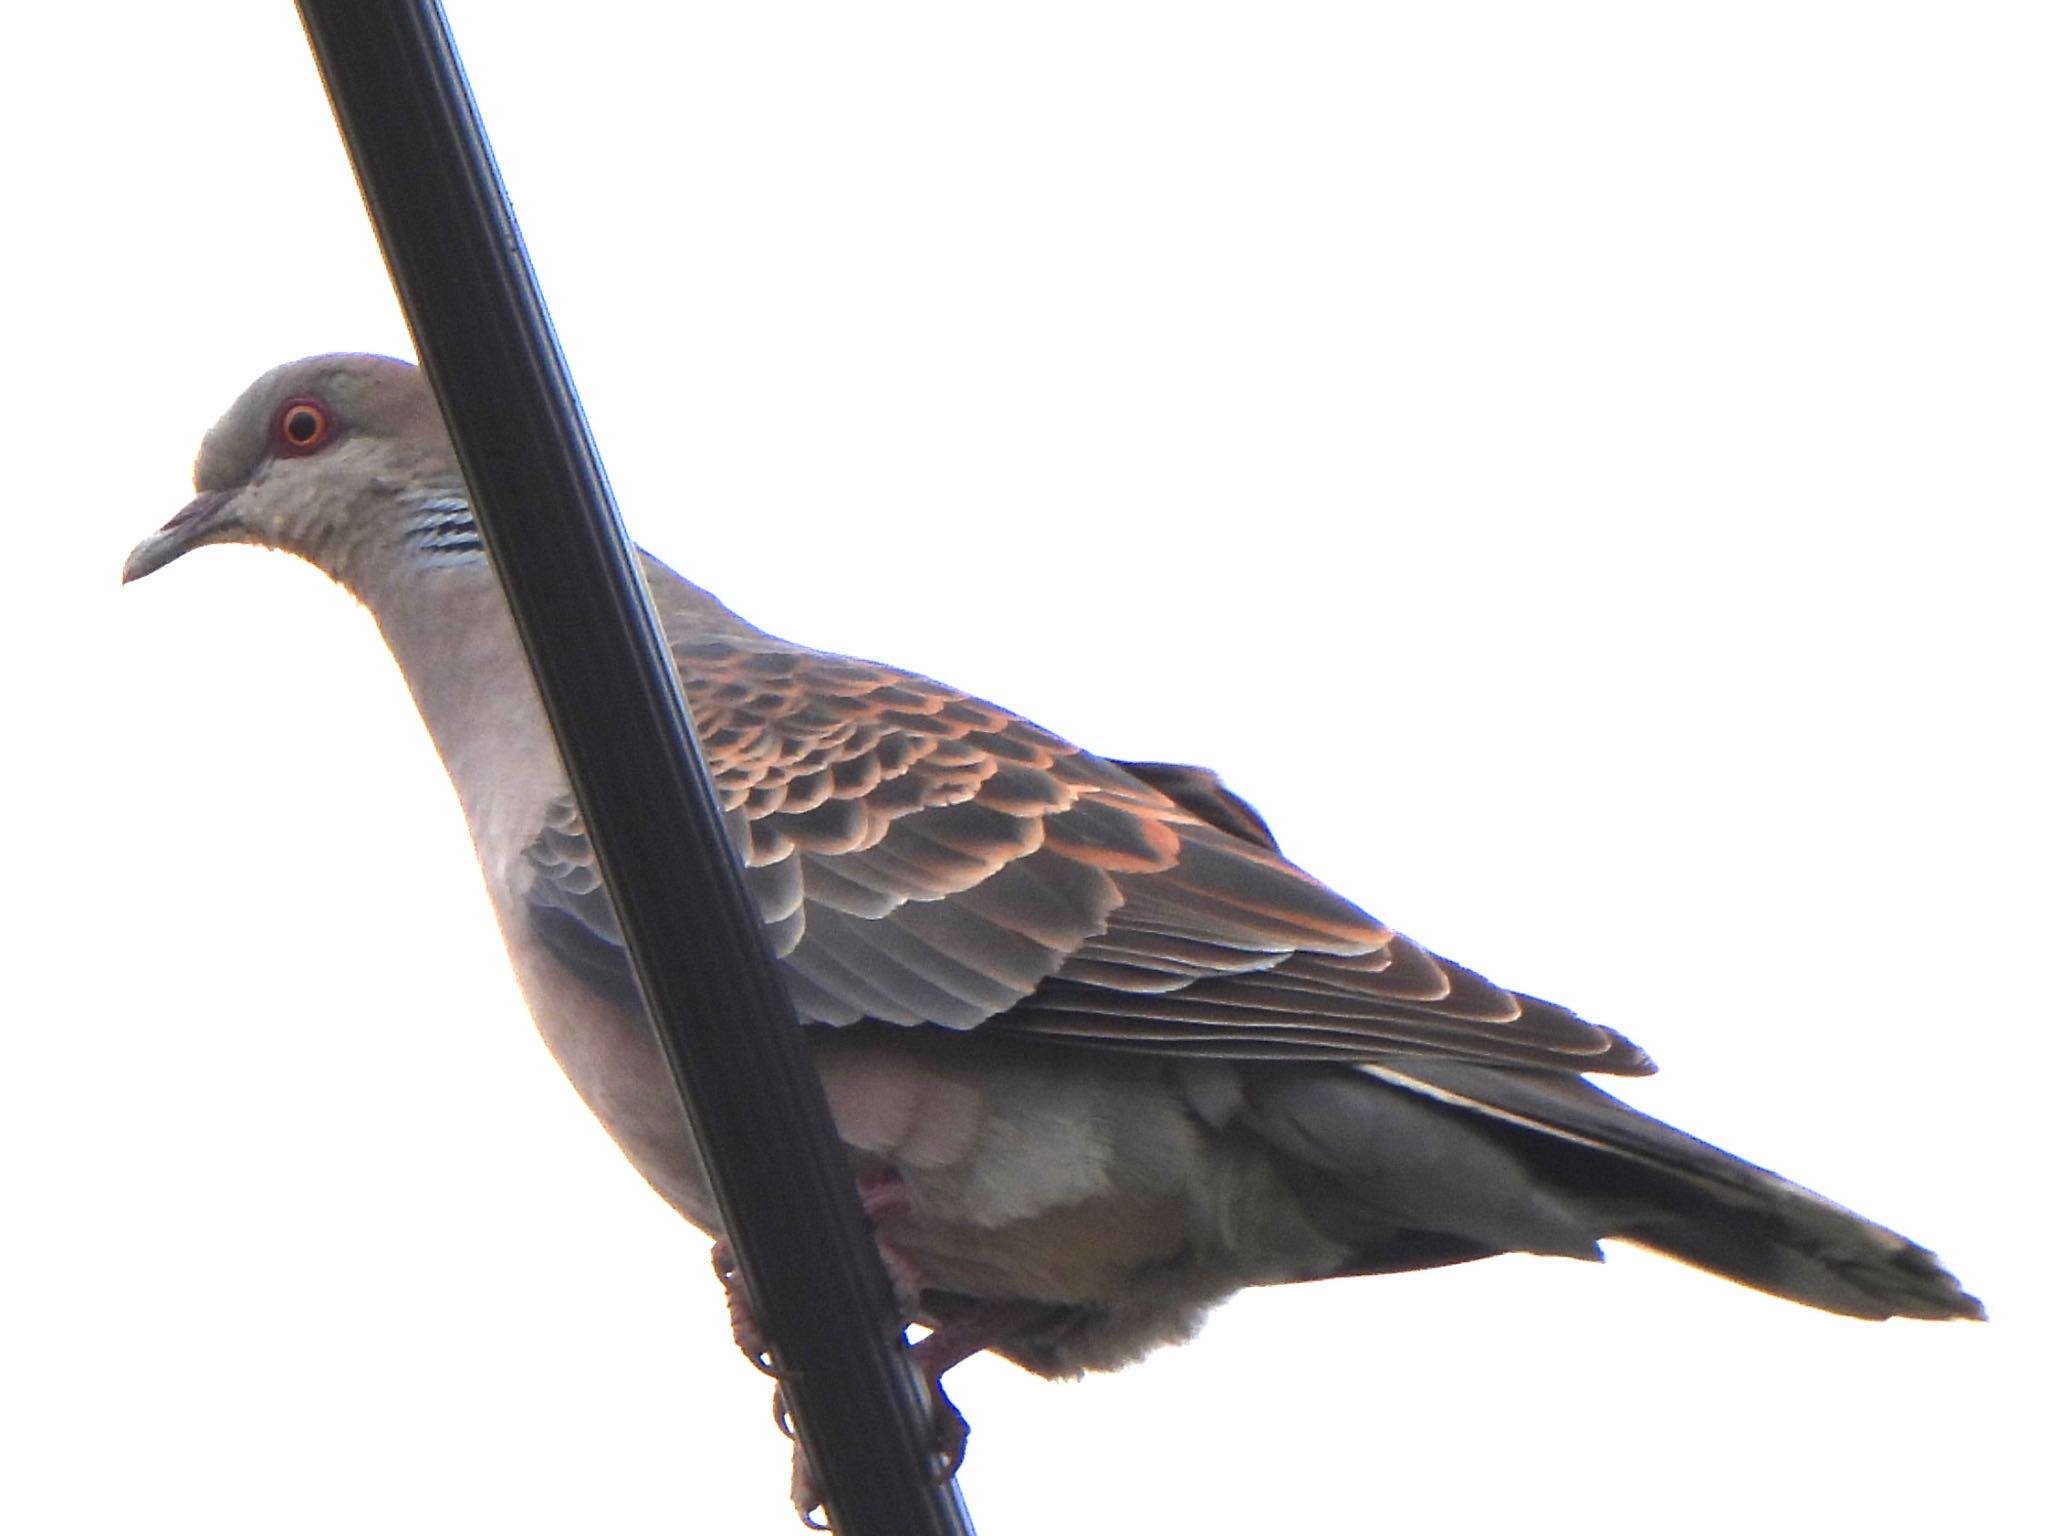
610, 1056
1017, 1171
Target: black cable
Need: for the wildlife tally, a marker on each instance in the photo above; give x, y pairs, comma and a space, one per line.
725, 1022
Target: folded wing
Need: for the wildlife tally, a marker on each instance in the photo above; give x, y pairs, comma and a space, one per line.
922, 857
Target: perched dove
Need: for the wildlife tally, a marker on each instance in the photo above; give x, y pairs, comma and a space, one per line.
1102, 1056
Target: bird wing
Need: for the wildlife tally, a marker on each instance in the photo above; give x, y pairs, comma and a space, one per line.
920, 856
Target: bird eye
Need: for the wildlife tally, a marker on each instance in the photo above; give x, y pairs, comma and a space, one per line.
303, 426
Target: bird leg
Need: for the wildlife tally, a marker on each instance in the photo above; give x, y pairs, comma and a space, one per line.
746, 1328
968, 1327
881, 1196
960, 1326
971, 1326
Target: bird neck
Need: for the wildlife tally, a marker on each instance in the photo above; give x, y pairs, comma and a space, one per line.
451, 631
446, 620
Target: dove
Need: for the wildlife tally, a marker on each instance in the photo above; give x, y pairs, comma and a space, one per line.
1101, 1055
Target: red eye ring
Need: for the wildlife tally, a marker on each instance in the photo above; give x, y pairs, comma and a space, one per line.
303, 426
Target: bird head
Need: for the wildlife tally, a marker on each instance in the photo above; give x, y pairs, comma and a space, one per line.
341, 460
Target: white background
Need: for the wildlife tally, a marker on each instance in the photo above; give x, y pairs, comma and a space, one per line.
1578, 468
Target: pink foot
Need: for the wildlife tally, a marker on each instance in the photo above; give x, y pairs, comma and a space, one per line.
961, 1326
934, 1354
746, 1328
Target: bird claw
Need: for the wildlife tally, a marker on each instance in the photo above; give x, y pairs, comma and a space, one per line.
747, 1332
949, 1450
881, 1197
949, 1434
804, 1494
952, 1341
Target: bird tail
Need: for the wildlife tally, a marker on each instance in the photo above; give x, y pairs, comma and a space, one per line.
1644, 1182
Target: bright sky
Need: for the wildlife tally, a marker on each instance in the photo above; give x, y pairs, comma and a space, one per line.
1577, 468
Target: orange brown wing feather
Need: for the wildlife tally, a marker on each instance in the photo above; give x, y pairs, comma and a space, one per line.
923, 857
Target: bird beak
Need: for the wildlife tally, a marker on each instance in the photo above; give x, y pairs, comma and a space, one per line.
205, 520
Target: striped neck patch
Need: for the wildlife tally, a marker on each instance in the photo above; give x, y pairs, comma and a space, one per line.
443, 532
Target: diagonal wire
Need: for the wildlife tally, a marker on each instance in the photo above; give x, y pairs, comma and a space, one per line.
725, 1022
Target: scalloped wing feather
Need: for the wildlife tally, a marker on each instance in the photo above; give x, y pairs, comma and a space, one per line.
923, 857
